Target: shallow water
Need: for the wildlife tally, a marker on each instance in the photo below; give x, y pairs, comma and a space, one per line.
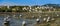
18, 22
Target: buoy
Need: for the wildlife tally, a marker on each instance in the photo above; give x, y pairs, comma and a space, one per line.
48, 19
23, 23
57, 15
44, 19
6, 21
37, 20
20, 15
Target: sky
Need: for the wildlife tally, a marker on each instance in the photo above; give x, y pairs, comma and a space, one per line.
28, 2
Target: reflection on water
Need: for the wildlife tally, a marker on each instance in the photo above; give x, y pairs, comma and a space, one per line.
17, 22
